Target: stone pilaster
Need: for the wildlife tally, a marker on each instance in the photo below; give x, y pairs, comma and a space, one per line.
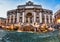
6, 21
52, 19
10, 19
18, 14
32, 19
13, 18
34, 16
49, 18
45, 16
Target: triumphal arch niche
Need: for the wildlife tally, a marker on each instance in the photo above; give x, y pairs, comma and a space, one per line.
29, 13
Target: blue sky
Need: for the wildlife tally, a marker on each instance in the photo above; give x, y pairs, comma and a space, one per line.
6, 5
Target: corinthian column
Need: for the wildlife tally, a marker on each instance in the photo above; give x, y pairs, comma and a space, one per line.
45, 18
49, 18
52, 19
34, 17
13, 18
40, 17
23, 17
10, 19
6, 21
18, 14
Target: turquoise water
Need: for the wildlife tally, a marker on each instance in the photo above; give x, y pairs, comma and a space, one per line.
29, 37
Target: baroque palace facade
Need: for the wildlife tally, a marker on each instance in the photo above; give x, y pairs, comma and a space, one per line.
29, 13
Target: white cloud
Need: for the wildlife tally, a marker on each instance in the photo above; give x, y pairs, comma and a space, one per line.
4, 7
56, 8
10, 5
29, 0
